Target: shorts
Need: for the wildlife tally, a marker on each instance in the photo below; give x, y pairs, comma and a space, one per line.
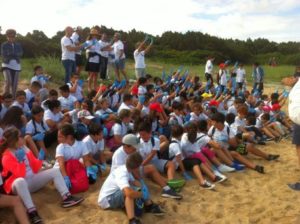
116, 200
140, 72
296, 134
92, 67
160, 164
78, 60
200, 156
120, 64
189, 163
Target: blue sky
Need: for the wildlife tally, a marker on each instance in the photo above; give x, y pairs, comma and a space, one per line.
277, 20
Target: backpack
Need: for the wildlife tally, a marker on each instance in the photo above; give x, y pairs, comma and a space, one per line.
34, 126
78, 177
214, 130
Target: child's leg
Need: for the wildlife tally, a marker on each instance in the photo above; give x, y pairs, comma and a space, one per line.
207, 171
152, 172
170, 167
198, 174
117, 73
222, 155
268, 132
243, 160
31, 145
129, 206
90, 80
20, 188
124, 74
17, 205
40, 179
95, 81
41, 145
251, 148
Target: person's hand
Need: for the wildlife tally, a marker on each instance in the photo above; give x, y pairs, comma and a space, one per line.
20, 154
38, 137
186, 176
42, 154
102, 167
68, 182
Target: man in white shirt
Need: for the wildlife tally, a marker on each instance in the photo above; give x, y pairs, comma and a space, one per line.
240, 77
208, 73
139, 57
76, 38
68, 49
119, 53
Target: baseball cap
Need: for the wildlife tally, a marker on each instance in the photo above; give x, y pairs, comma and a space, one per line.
156, 107
131, 140
85, 114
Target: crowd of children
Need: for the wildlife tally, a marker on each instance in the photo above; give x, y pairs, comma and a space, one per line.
157, 127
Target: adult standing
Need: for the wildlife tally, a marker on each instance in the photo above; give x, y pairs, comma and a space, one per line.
208, 73
11, 52
93, 58
258, 78
76, 38
119, 53
105, 48
139, 57
294, 114
68, 49
240, 77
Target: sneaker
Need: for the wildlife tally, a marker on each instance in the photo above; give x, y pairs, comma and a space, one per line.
154, 209
270, 139
35, 218
272, 157
238, 166
259, 169
295, 186
207, 185
225, 169
46, 165
71, 201
219, 179
261, 143
135, 221
170, 194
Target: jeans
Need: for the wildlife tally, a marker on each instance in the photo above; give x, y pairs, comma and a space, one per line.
23, 186
11, 78
70, 68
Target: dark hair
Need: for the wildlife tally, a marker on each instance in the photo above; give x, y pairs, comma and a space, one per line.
127, 97
149, 87
148, 76
13, 117
134, 161
52, 104
95, 129
191, 130
176, 131
202, 125
157, 79
64, 88
67, 129
36, 110
91, 94
251, 120
7, 96
9, 139
36, 84
37, 68
218, 117
265, 116
142, 80
53, 92
20, 93
177, 106
230, 118
243, 109
145, 126
90, 105
124, 113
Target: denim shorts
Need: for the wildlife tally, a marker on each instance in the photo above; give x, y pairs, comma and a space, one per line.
160, 164
120, 64
296, 135
116, 200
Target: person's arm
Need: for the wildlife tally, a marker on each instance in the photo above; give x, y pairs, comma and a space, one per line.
73, 87
71, 48
61, 162
51, 124
118, 139
149, 157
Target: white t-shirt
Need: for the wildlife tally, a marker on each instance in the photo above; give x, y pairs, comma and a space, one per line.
39, 127
142, 90
118, 179
232, 110
13, 64
238, 122
175, 119
67, 55
240, 75
139, 58
102, 45
39, 78
78, 92
29, 95
209, 67
76, 40
145, 111
124, 106
120, 129
294, 103
95, 48
174, 148
67, 103
119, 158
102, 112
221, 137
147, 147
49, 115
195, 117
24, 107
93, 147
118, 47
3, 111
223, 78
189, 148
75, 151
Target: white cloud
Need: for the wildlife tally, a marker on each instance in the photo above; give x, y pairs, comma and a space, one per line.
225, 18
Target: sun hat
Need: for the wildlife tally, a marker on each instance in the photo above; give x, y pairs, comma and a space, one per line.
131, 140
